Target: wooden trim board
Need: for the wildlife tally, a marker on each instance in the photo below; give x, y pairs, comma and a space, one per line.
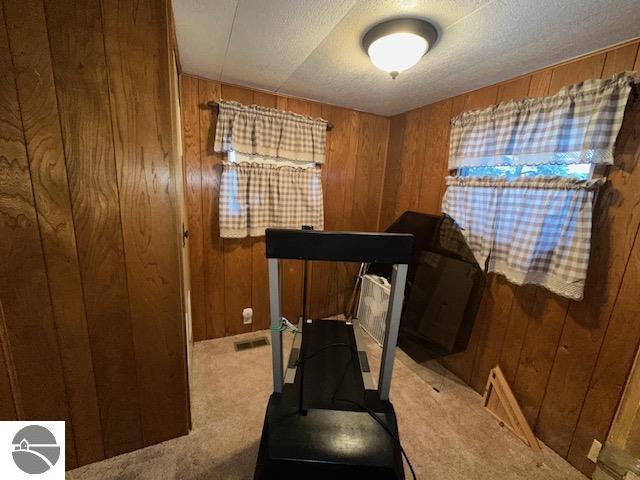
499, 400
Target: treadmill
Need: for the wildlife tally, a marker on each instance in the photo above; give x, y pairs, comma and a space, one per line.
325, 418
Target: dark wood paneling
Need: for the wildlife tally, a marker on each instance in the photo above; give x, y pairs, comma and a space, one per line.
436, 125
392, 171
237, 253
9, 403
515, 89
235, 270
623, 333
29, 322
462, 363
411, 163
566, 361
214, 278
342, 146
620, 60
36, 93
135, 45
545, 319
291, 271
80, 72
515, 335
586, 320
259, 274
576, 72
370, 159
193, 196
88, 205
500, 295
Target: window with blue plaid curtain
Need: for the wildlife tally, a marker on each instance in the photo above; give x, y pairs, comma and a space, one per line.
271, 177
522, 195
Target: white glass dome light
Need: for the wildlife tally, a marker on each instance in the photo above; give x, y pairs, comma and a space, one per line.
397, 45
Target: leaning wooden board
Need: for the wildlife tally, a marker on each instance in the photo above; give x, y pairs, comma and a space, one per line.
499, 401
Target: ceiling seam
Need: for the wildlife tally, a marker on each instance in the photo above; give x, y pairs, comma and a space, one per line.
226, 50
486, 4
279, 87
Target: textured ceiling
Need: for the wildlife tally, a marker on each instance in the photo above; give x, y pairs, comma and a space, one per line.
311, 48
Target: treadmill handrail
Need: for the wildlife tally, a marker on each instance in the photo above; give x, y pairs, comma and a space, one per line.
389, 248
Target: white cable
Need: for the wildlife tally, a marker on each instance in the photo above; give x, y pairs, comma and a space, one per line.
289, 325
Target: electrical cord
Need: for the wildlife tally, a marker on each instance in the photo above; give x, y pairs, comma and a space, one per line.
320, 350
284, 326
300, 363
373, 415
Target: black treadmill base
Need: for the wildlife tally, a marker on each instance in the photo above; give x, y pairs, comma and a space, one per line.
335, 439
340, 443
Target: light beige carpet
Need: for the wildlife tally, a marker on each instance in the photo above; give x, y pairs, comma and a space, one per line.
447, 434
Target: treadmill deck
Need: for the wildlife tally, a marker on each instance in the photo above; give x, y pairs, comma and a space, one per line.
335, 436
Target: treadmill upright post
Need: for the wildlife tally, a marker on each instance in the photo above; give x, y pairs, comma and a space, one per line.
276, 324
396, 297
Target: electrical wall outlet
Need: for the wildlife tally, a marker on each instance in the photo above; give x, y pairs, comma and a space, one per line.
594, 451
247, 316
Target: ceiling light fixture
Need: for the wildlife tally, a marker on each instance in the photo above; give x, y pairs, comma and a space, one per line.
396, 45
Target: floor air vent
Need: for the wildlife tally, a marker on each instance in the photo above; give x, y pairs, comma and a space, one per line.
253, 343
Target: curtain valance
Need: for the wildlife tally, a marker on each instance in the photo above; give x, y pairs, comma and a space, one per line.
531, 230
257, 130
577, 125
255, 196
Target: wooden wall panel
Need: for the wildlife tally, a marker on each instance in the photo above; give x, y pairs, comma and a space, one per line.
500, 294
392, 171
342, 144
29, 324
91, 323
237, 253
136, 43
95, 200
411, 162
462, 363
524, 300
586, 321
369, 172
437, 127
36, 93
545, 320
566, 361
90, 257
193, 196
259, 270
515, 89
291, 271
625, 430
622, 335
214, 277
24, 290
9, 403
235, 270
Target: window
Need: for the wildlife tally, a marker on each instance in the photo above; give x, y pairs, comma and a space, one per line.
579, 171
525, 179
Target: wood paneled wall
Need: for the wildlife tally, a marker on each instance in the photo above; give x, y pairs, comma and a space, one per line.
625, 431
92, 330
228, 275
567, 361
